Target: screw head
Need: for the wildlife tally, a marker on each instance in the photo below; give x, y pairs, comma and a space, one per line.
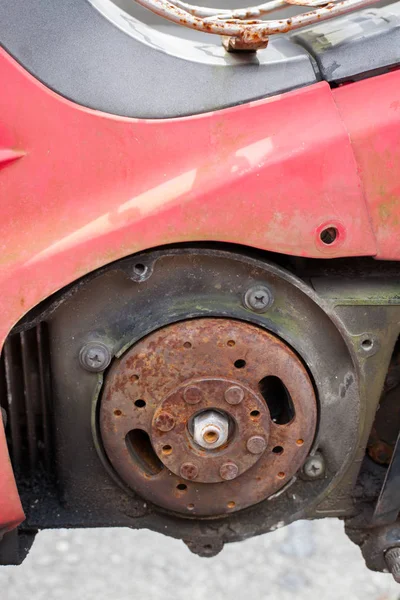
189, 471
234, 395
94, 357
256, 444
314, 467
192, 394
165, 421
258, 298
229, 471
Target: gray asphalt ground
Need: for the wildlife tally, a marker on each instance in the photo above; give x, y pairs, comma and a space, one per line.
307, 560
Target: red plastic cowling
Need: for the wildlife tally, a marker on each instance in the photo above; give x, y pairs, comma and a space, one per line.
79, 189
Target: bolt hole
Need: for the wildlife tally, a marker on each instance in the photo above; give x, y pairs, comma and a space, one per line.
367, 344
167, 449
117, 412
210, 437
299, 442
240, 363
140, 269
140, 403
134, 378
231, 504
182, 487
329, 235
255, 414
207, 547
281, 474
231, 343
190, 506
277, 450
187, 345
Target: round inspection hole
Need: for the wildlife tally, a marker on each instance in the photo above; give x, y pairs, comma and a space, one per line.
134, 378
231, 343
182, 487
277, 450
281, 475
140, 269
211, 436
367, 344
187, 345
117, 412
167, 449
299, 442
140, 403
329, 235
240, 363
255, 414
190, 506
231, 504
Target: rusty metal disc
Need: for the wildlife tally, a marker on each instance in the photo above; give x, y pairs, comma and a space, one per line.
155, 391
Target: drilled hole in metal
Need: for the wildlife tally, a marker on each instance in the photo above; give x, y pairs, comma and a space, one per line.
117, 412
367, 344
167, 449
231, 504
255, 414
277, 450
299, 442
134, 378
281, 474
140, 269
182, 487
277, 398
140, 448
329, 235
211, 436
207, 547
190, 506
240, 363
231, 343
140, 403
187, 345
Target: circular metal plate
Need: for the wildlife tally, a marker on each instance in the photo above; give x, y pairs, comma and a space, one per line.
153, 392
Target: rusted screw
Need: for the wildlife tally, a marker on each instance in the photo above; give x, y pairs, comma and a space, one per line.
256, 444
192, 394
165, 422
314, 467
258, 298
95, 357
229, 471
234, 395
392, 559
189, 471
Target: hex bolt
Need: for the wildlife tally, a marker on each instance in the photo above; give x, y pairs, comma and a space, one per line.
192, 394
189, 471
258, 298
314, 467
392, 559
210, 429
165, 421
229, 471
94, 357
256, 444
234, 395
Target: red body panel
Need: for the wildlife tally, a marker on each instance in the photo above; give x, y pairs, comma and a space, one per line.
79, 189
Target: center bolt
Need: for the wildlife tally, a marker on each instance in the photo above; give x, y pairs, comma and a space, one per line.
210, 429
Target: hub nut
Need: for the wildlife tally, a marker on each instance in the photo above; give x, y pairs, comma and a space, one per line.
210, 429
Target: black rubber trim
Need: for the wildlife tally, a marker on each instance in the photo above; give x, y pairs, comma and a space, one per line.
356, 46
113, 63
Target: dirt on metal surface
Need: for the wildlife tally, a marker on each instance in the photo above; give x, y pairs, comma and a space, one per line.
153, 392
